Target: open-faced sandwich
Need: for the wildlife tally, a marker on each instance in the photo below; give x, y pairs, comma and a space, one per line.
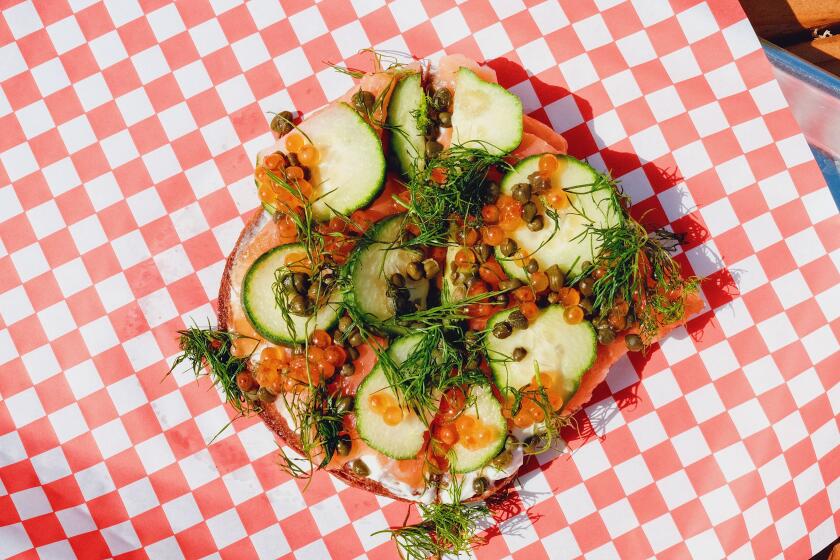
431, 288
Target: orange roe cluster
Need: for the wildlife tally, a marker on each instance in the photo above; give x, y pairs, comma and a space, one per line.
385, 405
293, 169
532, 406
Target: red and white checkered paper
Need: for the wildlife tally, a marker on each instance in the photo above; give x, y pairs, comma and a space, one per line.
128, 136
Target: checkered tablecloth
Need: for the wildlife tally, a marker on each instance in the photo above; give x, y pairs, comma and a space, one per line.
127, 135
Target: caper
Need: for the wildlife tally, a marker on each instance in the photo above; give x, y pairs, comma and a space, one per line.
508, 247
441, 99
363, 101
529, 211
634, 343
359, 467
459, 292
586, 304
501, 299
519, 354
415, 270
344, 445
502, 460
347, 369
502, 329
535, 444
471, 338
299, 306
301, 282
315, 293
521, 192
353, 354
445, 119
282, 123
518, 319
433, 148
585, 265
345, 323
344, 404
288, 282
532, 266
606, 335
265, 395
536, 224
491, 191
555, 277
539, 182
480, 485
586, 285
355, 339
397, 280
510, 284
293, 159
483, 250
431, 268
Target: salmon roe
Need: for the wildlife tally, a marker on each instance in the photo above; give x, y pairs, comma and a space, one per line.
386, 406
492, 235
309, 155
294, 142
557, 198
547, 163
573, 315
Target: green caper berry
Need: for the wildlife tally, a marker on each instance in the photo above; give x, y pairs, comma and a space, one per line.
445, 119
299, 306
586, 304
344, 445
586, 265
441, 99
356, 339
352, 352
288, 282
480, 485
518, 319
359, 468
510, 284
502, 329
606, 335
397, 280
634, 343
433, 148
521, 192
415, 270
363, 101
431, 268
519, 354
483, 250
344, 404
347, 369
508, 247
538, 182
528, 212
282, 123
536, 224
265, 395
345, 323
301, 282
555, 278
586, 286
532, 266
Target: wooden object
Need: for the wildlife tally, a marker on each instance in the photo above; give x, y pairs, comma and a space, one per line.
778, 19
823, 52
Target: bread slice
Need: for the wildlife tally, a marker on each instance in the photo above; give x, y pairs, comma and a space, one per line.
607, 355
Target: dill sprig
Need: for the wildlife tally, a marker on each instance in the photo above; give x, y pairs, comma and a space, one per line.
208, 352
464, 171
319, 422
637, 265
446, 529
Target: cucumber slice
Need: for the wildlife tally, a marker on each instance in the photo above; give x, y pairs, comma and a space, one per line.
374, 261
487, 410
485, 114
261, 307
404, 440
351, 169
407, 141
554, 346
566, 245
